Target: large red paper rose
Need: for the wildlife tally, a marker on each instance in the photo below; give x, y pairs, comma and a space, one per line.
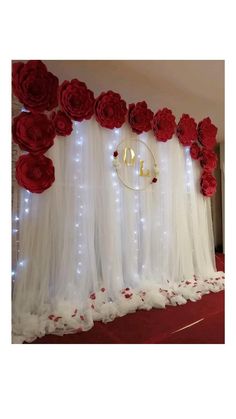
35, 86
208, 184
76, 100
62, 123
163, 125
186, 130
35, 173
208, 159
140, 117
195, 151
207, 133
33, 132
110, 110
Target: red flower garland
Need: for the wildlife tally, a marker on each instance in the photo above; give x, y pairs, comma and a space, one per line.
163, 125
110, 110
33, 132
207, 133
35, 173
140, 117
76, 100
35, 86
38, 90
186, 130
62, 123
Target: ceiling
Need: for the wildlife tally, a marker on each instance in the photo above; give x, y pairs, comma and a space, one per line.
185, 86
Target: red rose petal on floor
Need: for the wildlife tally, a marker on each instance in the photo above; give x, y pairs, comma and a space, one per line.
57, 318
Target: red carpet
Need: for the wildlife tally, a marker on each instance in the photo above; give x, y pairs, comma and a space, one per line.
160, 325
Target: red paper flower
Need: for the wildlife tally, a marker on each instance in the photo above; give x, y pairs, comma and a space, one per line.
62, 123
163, 125
154, 180
208, 159
140, 117
208, 184
35, 86
35, 173
186, 130
76, 100
195, 151
33, 132
207, 133
115, 154
110, 110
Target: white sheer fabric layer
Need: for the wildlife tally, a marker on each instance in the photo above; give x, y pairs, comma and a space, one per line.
91, 249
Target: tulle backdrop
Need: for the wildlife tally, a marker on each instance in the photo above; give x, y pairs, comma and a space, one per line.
88, 248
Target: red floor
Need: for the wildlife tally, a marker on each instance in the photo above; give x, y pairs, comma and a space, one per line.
160, 325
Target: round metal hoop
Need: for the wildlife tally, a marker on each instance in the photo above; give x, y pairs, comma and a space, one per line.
155, 164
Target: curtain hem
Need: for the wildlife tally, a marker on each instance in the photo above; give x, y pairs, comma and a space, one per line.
67, 318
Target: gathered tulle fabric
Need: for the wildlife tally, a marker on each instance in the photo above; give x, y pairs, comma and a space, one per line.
91, 249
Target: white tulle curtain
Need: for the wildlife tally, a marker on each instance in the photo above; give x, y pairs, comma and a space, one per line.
89, 232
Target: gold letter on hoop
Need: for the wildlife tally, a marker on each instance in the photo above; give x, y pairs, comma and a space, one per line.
131, 160
141, 171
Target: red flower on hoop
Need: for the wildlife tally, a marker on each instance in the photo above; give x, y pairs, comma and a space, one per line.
140, 117
33, 132
35, 173
186, 130
35, 86
207, 133
208, 184
76, 100
115, 154
110, 110
163, 125
195, 151
208, 160
62, 123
